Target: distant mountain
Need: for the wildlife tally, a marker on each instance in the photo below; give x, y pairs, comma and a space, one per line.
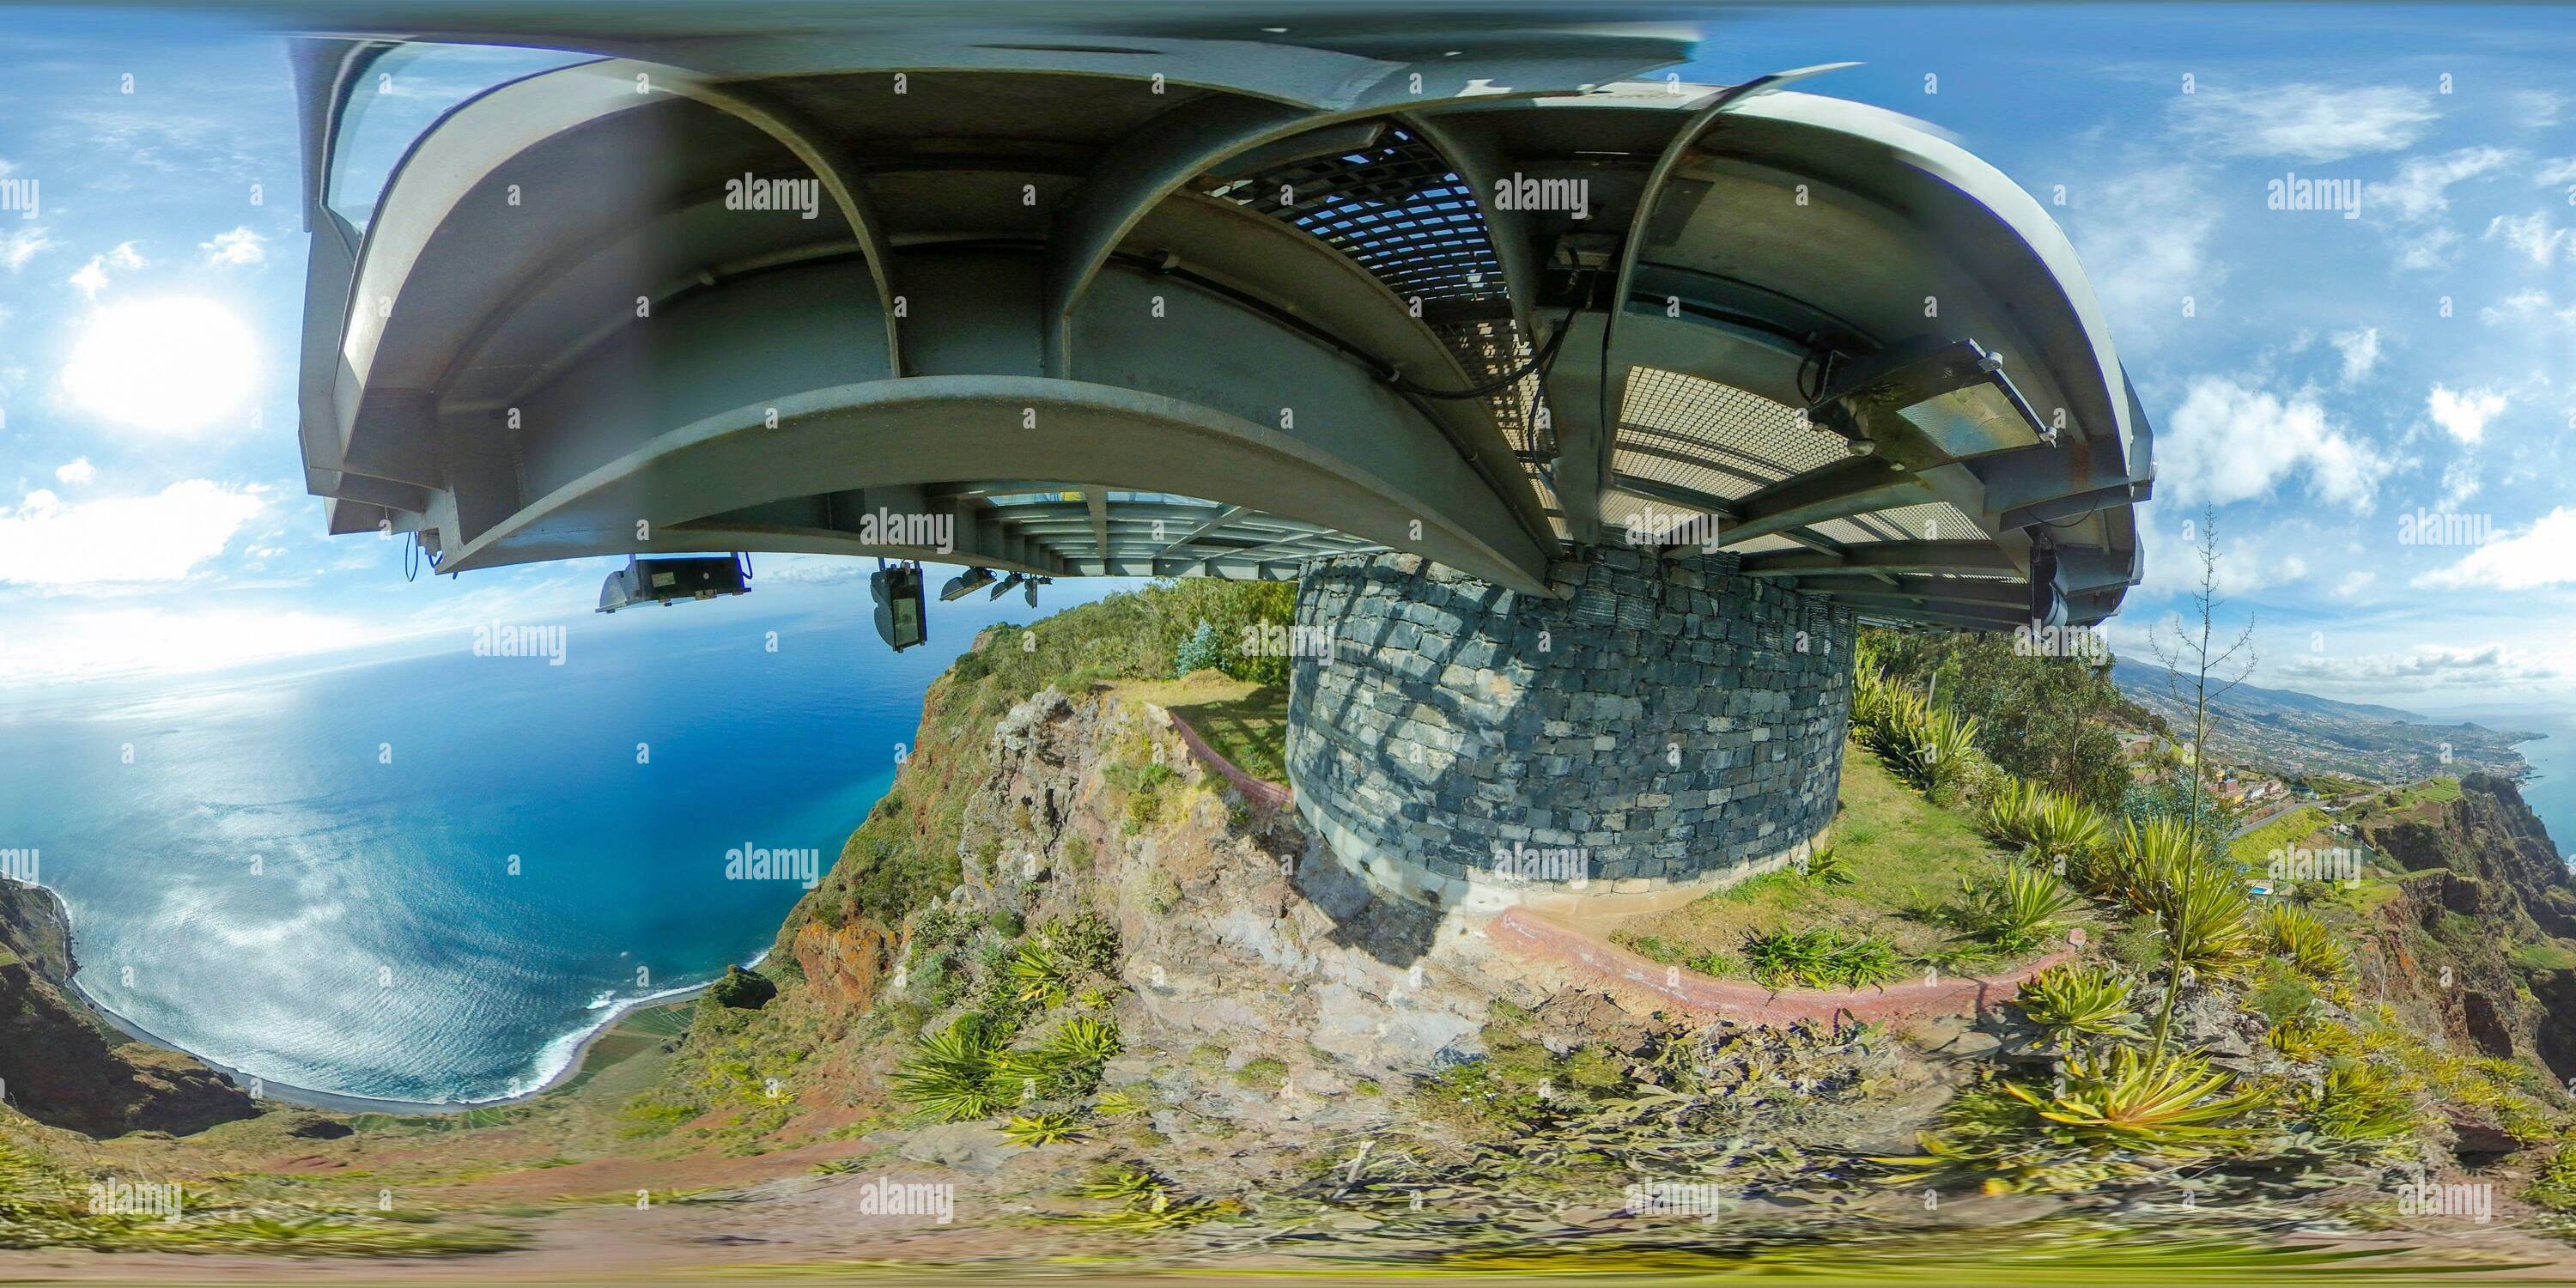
2296, 733
2138, 678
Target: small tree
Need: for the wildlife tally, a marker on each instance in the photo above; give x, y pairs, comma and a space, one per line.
1199, 652
2190, 654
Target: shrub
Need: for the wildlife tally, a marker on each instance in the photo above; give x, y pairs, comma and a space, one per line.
2123, 1099
2032, 817
2070, 1000
2295, 936
2018, 912
1928, 747
952, 1075
1820, 957
2358, 1101
1200, 652
1035, 1130
742, 990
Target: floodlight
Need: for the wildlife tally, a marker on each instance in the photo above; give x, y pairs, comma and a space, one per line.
668, 581
1007, 583
1952, 394
965, 583
901, 619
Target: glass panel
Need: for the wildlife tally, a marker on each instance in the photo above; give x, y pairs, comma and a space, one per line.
402, 93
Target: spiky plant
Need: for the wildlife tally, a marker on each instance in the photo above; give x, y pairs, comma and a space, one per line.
1927, 746
2295, 936
1827, 865
1118, 1104
2204, 914
1819, 957
2072, 1001
2356, 1100
2019, 911
2125, 1099
2144, 860
952, 1076
1039, 974
1037, 1130
2306, 1039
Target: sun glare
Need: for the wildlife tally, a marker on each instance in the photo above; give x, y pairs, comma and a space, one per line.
169, 366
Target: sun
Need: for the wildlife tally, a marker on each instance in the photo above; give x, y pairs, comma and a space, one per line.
166, 366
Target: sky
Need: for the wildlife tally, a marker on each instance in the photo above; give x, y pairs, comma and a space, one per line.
2327, 385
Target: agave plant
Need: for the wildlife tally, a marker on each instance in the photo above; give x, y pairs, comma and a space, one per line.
953, 1075
2357, 1100
2124, 1099
1927, 746
1035, 1130
1828, 865
2297, 937
2204, 912
2144, 861
2071, 1000
1819, 957
2018, 912
1039, 974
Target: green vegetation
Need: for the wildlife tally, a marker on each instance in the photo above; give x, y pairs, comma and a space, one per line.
743, 990
2298, 938
2256, 848
2049, 721
2071, 1001
1820, 957
2018, 913
2032, 818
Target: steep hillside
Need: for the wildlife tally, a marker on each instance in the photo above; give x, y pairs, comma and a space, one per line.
63, 1065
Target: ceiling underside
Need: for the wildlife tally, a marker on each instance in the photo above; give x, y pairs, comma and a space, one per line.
1105, 325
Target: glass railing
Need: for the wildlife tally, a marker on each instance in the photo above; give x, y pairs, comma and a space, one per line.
400, 94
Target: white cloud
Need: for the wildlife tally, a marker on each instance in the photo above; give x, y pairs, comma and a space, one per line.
2360, 351
2145, 237
2459, 483
23, 244
163, 537
2543, 555
2464, 416
2231, 443
78, 472
2422, 185
92, 278
167, 366
240, 246
2529, 234
2553, 173
2354, 583
2428, 249
2311, 123
2537, 109
2427, 666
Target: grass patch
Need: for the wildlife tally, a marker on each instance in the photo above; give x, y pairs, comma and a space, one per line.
1243, 722
2255, 848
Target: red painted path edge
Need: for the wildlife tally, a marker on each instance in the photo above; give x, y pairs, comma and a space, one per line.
1618, 970
1672, 987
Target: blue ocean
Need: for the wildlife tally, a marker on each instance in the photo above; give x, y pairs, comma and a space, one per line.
429, 877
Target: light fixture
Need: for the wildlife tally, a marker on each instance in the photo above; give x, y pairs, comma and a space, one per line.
901, 621
1007, 583
965, 583
668, 581
1951, 394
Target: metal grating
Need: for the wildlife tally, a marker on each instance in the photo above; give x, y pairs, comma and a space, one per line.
1734, 426
1398, 210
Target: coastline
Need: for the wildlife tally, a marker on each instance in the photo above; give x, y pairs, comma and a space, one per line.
341, 1102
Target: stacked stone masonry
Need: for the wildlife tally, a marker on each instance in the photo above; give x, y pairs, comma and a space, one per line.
1669, 723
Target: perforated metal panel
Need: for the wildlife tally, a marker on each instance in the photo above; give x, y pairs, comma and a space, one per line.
1737, 427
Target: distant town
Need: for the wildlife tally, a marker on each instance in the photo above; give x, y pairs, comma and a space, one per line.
2286, 737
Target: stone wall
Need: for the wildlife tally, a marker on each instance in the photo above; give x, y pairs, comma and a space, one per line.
1668, 727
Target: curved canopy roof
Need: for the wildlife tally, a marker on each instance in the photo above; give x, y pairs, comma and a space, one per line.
1174, 300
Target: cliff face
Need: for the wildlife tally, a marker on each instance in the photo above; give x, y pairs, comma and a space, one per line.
2484, 928
64, 1066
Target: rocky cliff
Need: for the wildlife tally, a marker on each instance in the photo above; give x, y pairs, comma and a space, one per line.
61, 1064
2483, 928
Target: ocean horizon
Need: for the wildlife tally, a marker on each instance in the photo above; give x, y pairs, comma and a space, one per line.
431, 878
